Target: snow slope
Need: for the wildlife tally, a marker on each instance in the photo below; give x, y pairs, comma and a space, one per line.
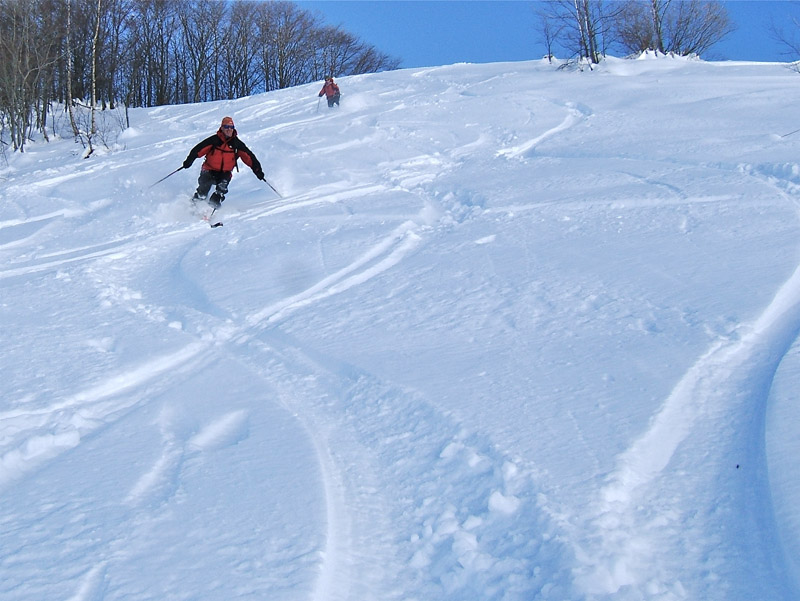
512, 332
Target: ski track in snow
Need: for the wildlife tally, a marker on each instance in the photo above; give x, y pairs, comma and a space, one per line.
360, 518
525, 150
375, 261
641, 506
78, 414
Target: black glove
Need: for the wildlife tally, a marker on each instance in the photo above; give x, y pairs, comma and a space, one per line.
259, 174
188, 162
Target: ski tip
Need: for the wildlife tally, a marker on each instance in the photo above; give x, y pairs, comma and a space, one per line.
217, 224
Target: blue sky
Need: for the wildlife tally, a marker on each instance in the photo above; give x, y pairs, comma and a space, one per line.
427, 33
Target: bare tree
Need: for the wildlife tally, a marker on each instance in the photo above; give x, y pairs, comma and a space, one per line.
115, 33
201, 43
658, 8
70, 105
93, 110
289, 43
586, 16
693, 26
240, 55
369, 60
582, 26
639, 26
549, 29
787, 33
28, 53
681, 27
152, 61
338, 51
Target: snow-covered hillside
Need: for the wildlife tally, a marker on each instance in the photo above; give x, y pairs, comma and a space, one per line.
511, 332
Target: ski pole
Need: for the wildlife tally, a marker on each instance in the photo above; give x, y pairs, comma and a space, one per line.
318, 101
273, 188
790, 133
166, 176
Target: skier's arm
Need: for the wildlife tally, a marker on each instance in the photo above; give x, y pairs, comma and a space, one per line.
249, 159
200, 150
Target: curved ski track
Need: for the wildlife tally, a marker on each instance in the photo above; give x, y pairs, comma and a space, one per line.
710, 428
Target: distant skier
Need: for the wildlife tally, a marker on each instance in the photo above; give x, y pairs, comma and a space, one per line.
331, 90
222, 151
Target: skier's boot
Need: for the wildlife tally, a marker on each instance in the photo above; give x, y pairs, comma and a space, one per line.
219, 194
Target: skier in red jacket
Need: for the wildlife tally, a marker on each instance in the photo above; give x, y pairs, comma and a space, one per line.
222, 151
331, 90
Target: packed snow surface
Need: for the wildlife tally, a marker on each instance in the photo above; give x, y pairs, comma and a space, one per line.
510, 332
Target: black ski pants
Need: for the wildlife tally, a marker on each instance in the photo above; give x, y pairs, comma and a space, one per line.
220, 179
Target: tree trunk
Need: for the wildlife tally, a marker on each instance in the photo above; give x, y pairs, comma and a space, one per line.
93, 129
70, 108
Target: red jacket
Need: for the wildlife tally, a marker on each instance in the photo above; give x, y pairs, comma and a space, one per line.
222, 153
329, 89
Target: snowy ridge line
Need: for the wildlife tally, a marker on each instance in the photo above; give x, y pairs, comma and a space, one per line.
30, 436
378, 259
727, 385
